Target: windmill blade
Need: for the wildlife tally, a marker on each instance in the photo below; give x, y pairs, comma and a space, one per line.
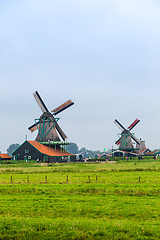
40, 102
133, 124
62, 107
119, 125
33, 127
135, 139
118, 141
60, 131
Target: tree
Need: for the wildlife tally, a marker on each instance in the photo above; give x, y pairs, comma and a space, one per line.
83, 149
12, 148
73, 148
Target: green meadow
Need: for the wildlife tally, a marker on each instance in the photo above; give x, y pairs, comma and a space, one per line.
80, 200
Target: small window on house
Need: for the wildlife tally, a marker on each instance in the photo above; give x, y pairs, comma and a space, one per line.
26, 151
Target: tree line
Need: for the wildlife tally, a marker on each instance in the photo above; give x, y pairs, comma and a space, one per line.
72, 148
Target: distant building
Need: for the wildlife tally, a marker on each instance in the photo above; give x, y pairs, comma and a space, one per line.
4, 156
122, 153
141, 146
154, 153
97, 156
145, 151
105, 155
40, 152
140, 150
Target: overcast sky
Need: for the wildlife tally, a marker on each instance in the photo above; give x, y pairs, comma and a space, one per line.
104, 55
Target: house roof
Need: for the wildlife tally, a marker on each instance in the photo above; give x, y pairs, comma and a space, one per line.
152, 153
4, 155
105, 154
97, 155
48, 150
145, 150
123, 151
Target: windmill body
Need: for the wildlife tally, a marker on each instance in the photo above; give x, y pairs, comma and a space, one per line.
47, 125
125, 141
46, 128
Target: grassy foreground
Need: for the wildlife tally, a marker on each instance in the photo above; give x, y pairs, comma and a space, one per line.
80, 201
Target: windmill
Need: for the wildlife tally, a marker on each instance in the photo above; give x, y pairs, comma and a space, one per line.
126, 137
47, 125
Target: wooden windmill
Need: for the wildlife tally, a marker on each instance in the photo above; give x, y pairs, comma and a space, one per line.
126, 137
47, 125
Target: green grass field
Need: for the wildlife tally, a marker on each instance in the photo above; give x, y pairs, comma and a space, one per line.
80, 200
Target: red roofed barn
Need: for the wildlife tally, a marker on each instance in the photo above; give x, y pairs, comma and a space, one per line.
38, 151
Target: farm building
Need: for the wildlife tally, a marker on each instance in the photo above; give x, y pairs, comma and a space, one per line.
102, 156
106, 156
123, 153
4, 156
136, 153
40, 152
144, 151
154, 153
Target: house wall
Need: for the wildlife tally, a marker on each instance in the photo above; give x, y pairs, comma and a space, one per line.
26, 150
118, 154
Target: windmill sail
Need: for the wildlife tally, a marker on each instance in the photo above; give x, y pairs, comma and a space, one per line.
40, 102
135, 139
133, 124
33, 127
119, 125
62, 107
60, 131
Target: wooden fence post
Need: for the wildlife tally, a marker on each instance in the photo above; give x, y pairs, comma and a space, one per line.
139, 179
89, 178
96, 178
28, 179
67, 178
46, 179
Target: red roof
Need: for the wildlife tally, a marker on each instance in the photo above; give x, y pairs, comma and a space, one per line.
144, 150
4, 155
48, 150
151, 152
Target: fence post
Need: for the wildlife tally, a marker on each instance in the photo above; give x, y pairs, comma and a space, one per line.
11, 180
28, 179
46, 179
96, 178
67, 178
89, 178
139, 179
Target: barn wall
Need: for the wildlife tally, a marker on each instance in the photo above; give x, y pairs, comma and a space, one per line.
26, 150
62, 159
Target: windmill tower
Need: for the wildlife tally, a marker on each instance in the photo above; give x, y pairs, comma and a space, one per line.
126, 137
47, 125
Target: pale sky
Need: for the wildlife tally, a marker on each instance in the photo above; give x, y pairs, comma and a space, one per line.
104, 55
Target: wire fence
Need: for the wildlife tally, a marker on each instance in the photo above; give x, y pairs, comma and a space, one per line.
71, 179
